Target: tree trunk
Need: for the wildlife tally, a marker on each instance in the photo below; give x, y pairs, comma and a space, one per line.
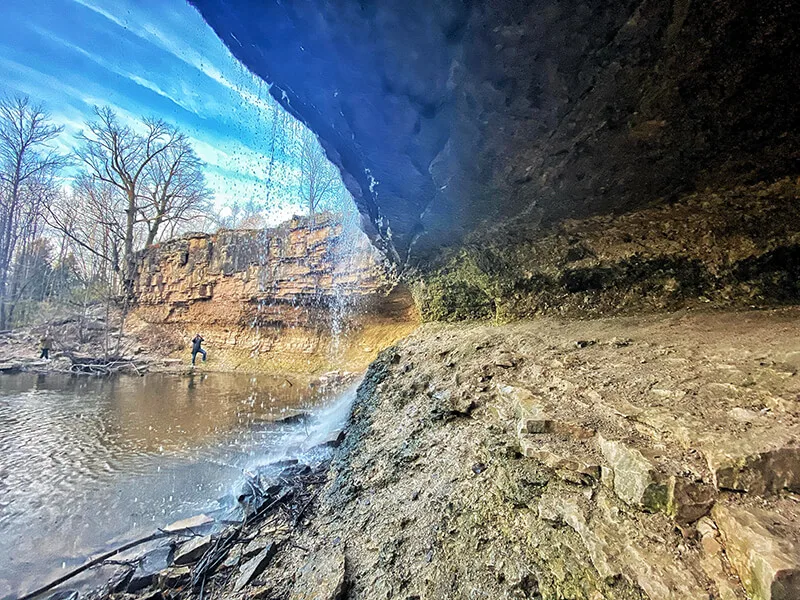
129, 266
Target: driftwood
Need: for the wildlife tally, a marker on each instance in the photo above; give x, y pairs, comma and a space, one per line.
93, 562
102, 366
289, 496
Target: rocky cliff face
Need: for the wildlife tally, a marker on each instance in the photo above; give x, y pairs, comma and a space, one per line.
304, 296
447, 115
737, 247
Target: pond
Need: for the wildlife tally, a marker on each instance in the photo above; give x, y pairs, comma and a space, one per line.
87, 464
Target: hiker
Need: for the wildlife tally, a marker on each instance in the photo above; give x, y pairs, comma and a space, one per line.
45, 344
198, 339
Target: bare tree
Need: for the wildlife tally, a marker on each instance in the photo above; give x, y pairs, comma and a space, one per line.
174, 191
156, 173
92, 218
90, 223
320, 182
28, 166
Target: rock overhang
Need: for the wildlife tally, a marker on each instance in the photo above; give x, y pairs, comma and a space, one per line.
447, 117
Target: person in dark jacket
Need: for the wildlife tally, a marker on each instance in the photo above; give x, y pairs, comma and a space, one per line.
45, 345
196, 349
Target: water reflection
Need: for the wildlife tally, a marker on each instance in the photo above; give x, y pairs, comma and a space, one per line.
85, 463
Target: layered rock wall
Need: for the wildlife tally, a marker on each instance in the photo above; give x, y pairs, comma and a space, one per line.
304, 296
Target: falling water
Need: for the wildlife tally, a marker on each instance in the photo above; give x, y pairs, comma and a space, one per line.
346, 252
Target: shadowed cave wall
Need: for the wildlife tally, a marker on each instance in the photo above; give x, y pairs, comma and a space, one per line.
457, 123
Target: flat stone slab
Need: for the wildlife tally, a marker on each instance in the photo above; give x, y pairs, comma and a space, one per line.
762, 464
255, 546
533, 416
764, 548
254, 567
150, 565
174, 576
190, 523
191, 551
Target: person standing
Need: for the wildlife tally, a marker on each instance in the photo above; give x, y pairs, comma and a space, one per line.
45, 345
196, 349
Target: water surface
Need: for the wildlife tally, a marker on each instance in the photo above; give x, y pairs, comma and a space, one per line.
86, 463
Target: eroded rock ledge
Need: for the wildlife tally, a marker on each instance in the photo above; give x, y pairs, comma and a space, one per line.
304, 297
739, 247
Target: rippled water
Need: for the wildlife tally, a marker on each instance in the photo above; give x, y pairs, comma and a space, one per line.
88, 463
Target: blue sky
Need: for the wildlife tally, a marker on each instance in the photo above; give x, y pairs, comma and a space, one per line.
150, 58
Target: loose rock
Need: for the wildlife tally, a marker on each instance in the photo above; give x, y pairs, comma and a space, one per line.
254, 567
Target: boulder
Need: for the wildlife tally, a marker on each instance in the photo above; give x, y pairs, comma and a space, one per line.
763, 547
688, 500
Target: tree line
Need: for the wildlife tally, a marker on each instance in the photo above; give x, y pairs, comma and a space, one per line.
72, 223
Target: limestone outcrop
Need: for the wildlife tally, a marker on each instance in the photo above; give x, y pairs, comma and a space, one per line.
547, 460
304, 296
565, 459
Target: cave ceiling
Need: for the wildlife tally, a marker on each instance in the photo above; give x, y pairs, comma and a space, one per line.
449, 117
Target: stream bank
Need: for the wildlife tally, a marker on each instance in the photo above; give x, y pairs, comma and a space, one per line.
651, 457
